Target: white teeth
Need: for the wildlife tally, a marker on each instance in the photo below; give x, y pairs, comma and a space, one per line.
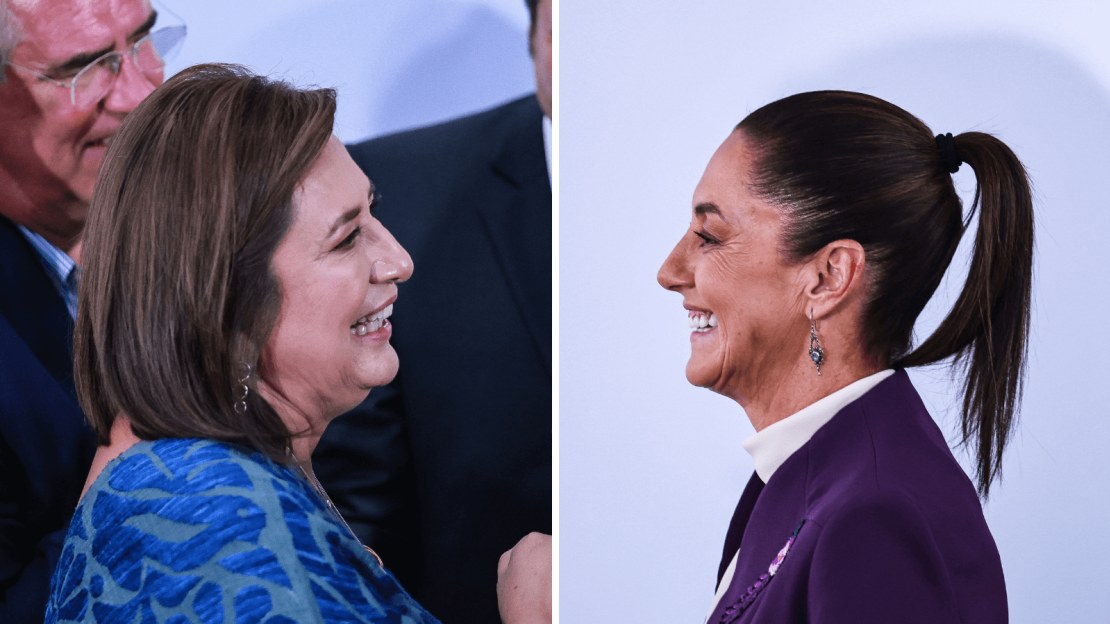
702, 322
373, 322
382, 314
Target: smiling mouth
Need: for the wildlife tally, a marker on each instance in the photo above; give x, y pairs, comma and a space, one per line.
702, 322
99, 142
373, 322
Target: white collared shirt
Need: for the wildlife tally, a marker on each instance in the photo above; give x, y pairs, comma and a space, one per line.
778, 441
772, 446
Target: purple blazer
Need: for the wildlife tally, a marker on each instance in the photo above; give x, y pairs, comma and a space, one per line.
872, 520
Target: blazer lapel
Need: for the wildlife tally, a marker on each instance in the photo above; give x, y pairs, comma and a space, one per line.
764, 519
736, 600
34, 308
739, 523
516, 217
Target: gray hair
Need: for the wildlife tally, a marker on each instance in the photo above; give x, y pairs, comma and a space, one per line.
9, 37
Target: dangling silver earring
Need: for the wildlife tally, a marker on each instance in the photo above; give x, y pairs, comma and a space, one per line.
816, 353
244, 375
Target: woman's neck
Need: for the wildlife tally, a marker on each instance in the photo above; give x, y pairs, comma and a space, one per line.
305, 428
780, 396
303, 446
120, 439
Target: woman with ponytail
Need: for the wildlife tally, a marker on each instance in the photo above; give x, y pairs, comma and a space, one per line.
820, 229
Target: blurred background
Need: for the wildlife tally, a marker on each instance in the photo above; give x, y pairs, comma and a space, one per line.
650, 467
396, 65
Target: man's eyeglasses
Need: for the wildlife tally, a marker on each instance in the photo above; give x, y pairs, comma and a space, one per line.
149, 55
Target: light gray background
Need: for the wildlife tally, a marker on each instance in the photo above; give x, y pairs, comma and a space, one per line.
396, 64
650, 467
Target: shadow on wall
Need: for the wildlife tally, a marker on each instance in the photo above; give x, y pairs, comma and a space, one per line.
1056, 118
1054, 115
408, 63
477, 62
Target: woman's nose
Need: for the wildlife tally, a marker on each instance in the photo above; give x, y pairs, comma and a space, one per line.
675, 273
393, 263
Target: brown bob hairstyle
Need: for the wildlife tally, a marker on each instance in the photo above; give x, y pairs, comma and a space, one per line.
195, 194
851, 166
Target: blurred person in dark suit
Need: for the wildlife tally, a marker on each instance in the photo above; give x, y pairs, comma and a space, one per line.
449, 466
69, 73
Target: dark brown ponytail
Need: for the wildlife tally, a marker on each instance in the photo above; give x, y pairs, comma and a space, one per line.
987, 330
851, 166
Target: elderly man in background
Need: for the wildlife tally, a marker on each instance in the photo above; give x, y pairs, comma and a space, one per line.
70, 71
450, 465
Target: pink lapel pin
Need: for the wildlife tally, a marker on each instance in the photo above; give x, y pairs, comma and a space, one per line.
733, 612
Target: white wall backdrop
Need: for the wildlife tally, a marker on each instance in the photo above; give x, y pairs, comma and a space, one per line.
651, 468
395, 64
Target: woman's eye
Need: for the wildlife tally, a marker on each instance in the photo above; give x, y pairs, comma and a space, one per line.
350, 240
705, 240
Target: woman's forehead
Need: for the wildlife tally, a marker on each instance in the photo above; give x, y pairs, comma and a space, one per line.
724, 185
333, 185
725, 191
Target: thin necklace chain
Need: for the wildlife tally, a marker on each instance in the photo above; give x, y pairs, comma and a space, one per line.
315, 483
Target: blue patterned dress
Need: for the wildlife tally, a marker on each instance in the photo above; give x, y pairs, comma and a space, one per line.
188, 530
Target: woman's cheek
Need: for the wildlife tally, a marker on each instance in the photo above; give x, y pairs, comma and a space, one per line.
727, 293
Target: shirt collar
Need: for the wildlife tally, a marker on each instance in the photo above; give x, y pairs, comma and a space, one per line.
770, 447
547, 143
55, 259
62, 270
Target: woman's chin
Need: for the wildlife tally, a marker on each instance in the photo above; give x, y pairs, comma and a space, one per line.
701, 373
381, 370
380, 373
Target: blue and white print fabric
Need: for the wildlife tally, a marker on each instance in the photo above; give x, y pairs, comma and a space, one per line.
188, 530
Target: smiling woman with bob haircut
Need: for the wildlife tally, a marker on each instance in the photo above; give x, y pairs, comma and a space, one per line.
235, 298
820, 229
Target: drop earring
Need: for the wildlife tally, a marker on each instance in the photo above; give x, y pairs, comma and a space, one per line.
816, 353
244, 375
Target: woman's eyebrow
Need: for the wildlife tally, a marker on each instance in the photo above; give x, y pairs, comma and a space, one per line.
707, 208
346, 217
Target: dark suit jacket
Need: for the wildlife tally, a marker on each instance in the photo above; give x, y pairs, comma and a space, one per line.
893, 530
448, 466
45, 446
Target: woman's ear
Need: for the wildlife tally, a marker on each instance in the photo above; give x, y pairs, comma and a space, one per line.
836, 273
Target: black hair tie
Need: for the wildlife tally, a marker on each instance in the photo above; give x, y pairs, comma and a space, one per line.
947, 146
